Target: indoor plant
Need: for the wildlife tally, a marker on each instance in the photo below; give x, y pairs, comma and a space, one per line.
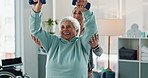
49, 25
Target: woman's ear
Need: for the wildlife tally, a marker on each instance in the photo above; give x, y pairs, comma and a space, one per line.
77, 32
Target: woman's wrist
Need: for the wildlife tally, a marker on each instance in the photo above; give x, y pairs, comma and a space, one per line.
41, 47
36, 11
94, 48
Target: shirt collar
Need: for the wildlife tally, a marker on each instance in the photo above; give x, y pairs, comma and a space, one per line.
65, 41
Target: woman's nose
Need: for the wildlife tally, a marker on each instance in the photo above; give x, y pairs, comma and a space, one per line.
76, 16
65, 28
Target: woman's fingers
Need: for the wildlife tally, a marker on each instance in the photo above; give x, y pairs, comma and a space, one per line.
35, 0
37, 7
95, 38
91, 40
39, 1
81, 5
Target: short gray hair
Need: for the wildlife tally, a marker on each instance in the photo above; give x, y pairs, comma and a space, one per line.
75, 22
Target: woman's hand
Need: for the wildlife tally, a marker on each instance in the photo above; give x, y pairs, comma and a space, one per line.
81, 5
37, 7
94, 41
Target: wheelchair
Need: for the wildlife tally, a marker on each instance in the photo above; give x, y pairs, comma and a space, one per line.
11, 68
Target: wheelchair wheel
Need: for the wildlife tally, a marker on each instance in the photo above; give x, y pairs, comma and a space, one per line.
5, 74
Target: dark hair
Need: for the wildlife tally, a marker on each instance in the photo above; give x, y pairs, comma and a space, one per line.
73, 10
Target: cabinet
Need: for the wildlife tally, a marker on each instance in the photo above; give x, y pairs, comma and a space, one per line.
41, 65
132, 68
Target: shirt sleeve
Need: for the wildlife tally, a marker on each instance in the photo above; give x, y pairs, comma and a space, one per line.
37, 31
90, 29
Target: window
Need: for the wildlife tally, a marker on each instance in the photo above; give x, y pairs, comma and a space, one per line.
7, 29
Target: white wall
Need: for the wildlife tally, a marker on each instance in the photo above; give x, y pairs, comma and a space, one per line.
63, 8
102, 9
134, 13
30, 48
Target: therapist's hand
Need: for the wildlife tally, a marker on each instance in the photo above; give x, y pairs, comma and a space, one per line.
37, 7
36, 40
94, 41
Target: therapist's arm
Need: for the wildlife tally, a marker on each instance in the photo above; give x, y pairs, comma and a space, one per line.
94, 42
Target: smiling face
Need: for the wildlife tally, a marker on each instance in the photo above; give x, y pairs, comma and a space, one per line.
77, 14
68, 31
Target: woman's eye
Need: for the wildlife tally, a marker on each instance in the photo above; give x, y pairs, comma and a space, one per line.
62, 27
80, 13
68, 26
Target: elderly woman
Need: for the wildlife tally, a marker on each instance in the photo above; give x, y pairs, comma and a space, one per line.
67, 55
